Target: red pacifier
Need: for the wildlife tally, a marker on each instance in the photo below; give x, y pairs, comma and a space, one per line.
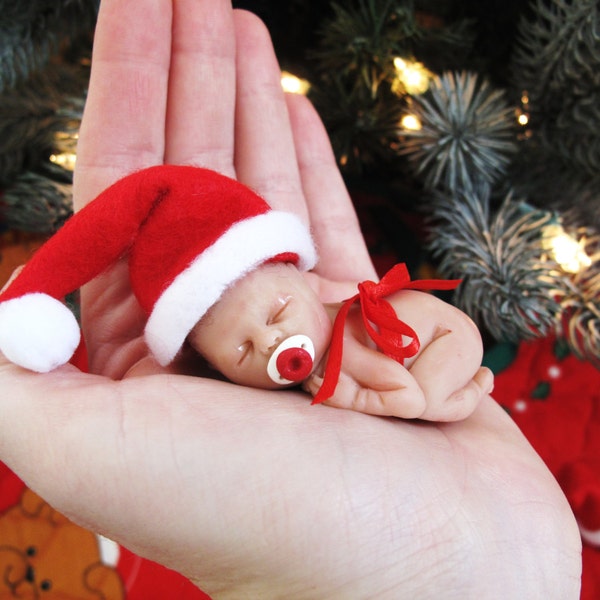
292, 361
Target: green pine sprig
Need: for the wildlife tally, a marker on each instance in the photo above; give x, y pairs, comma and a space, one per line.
34, 112
355, 76
365, 33
557, 64
466, 136
507, 288
31, 31
580, 302
362, 121
39, 202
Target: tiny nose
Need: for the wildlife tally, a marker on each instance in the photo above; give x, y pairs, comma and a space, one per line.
268, 339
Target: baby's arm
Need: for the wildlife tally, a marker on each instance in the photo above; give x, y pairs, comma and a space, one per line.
443, 382
448, 365
372, 383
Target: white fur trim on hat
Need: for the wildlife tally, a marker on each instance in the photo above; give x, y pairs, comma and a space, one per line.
241, 249
37, 332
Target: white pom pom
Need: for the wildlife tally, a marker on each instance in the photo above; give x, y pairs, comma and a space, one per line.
37, 332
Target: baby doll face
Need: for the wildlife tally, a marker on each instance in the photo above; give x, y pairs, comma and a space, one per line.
240, 332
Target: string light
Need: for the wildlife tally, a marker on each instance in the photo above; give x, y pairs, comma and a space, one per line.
66, 160
65, 146
294, 85
412, 77
568, 252
411, 123
522, 113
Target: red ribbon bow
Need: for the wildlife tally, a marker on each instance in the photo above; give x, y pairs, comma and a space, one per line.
380, 320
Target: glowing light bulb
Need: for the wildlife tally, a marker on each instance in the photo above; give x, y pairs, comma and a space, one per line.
66, 160
294, 85
568, 252
400, 64
411, 122
413, 77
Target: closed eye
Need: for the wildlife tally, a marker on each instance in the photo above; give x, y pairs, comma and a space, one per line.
276, 316
245, 349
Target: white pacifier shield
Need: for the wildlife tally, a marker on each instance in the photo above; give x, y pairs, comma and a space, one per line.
294, 341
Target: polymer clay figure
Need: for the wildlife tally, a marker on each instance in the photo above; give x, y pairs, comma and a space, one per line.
270, 330
212, 265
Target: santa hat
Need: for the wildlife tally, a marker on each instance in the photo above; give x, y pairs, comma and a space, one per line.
188, 233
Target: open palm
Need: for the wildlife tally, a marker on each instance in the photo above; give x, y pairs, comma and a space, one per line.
254, 494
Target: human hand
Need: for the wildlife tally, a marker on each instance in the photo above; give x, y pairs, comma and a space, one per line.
250, 493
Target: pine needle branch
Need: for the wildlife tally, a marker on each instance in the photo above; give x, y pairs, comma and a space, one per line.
466, 134
557, 62
507, 288
580, 302
32, 30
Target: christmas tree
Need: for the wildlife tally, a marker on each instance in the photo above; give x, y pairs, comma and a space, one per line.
486, 114
500, 148
44, 67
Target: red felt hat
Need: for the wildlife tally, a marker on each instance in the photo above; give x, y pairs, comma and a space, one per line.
188, 233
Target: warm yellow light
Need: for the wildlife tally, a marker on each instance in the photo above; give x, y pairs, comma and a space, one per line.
400, 64
411, 123
523, 119
413, 76
62, 136
566, 250
294, 85
66, 160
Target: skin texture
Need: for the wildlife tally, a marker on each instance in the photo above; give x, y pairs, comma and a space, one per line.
254, 494
443, 382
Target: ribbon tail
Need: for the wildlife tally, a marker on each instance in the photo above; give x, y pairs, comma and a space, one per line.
334, 360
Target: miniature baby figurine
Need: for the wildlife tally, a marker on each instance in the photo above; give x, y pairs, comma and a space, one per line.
212, 265
277, 313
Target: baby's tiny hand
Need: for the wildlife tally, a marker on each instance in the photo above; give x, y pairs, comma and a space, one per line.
461, 403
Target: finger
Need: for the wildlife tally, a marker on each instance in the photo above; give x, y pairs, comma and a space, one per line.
344, 254
264, 155
122, 130
403, 402
201, 100
461, 403
124, 118
373, 383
